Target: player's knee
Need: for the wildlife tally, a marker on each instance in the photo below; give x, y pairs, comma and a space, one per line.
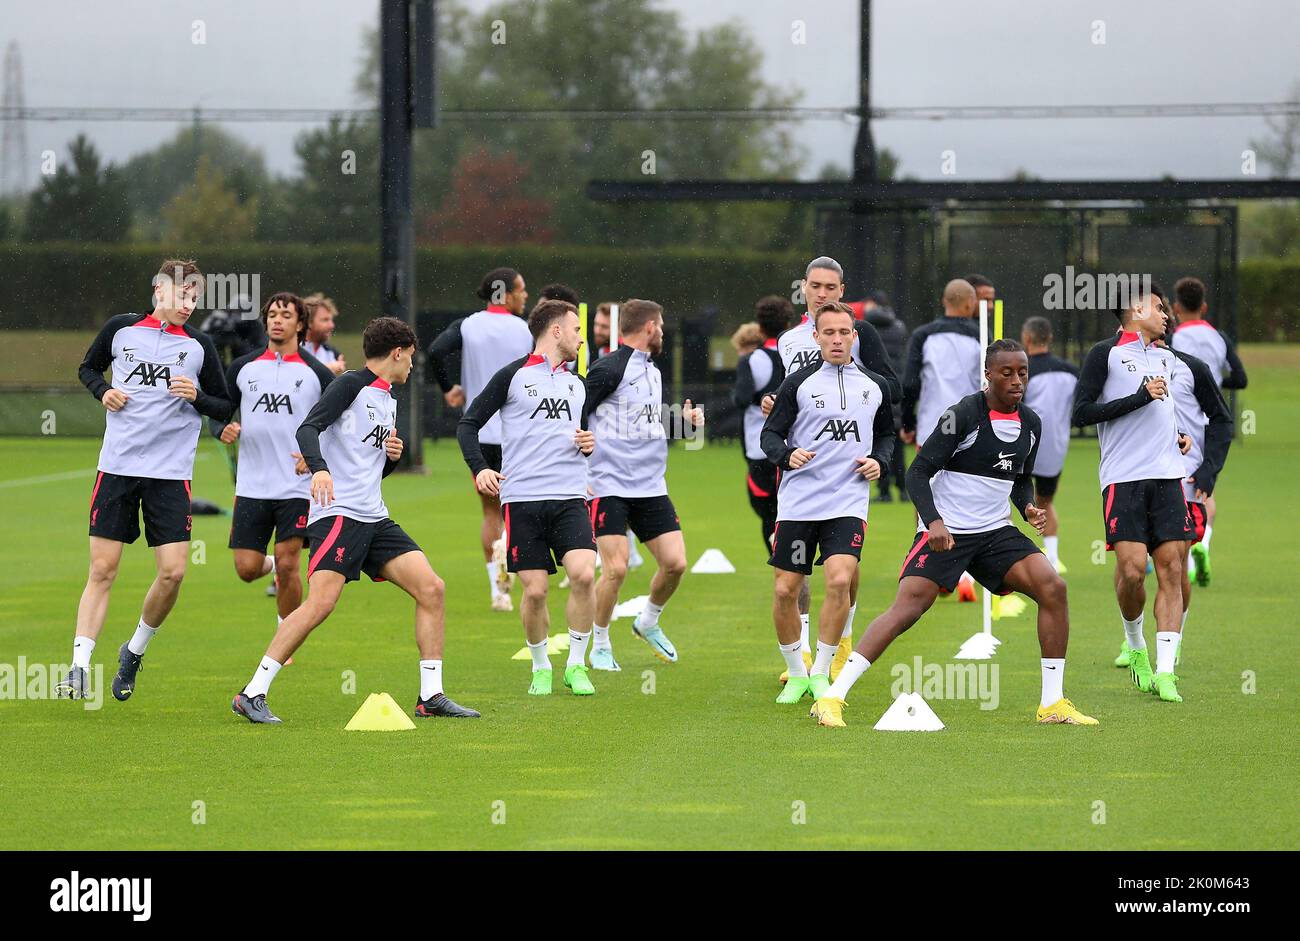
102, 571
1130, 574
787, 592
614, 571
583, 578
320, 607
248, 571
1054, 593
535, 592
172, 574
286, 561
674, 566
433, 591
838, 583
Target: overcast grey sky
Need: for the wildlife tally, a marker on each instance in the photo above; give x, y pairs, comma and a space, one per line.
304, 53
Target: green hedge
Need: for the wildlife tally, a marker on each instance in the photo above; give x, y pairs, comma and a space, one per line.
71, 286
1268, 301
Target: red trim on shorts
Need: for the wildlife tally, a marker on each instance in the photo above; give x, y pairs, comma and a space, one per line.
754, 488
925, 538
94, 493
593, 510
506, 510
325, 546
1004, 416
1110, 500
189, 495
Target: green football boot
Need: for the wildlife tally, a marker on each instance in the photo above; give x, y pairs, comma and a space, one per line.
1139, 668
796, 688
1201, 556
818, 685
576, 678
1165, 685
541, 684
1124, 653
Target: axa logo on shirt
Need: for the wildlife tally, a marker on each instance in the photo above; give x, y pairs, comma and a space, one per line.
553, 408
377, 436
804, 358
149, 374
271, 403
839, 429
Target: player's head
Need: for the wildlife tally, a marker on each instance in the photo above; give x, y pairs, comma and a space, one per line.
823, 282
1036, 334
559, 292
774, 315
1146, 314
177, 287
389, 345
984, 290
1007, 369
642, 321
554, 326
600, 331
875, 299
747, 338
504, 287
284, 315
322, 317
1189, 299
833, 330
959, 299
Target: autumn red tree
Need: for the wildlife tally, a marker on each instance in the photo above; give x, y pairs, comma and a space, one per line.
487, 205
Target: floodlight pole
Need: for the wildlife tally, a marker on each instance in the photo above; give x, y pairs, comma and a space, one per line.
861, 272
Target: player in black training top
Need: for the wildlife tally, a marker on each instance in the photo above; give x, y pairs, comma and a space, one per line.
980, 453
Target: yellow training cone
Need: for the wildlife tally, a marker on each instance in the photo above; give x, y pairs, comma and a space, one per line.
379, 713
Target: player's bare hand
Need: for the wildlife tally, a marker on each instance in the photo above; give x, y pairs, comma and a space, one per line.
1156, 388
488, 481
114, 400
940, 538
454, 397
393, 446
183, 388
338, 367
1184, 443
585, 440
1201, 495
299, 464
766, 405
799, 457
907, 437
1037, 517
230, 433
868, 467
322, 488
693, 414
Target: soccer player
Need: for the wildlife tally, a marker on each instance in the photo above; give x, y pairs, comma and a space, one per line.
831, 430
600, 330
823, 283
943, 366
349, 443
1204, 417
624, 410
1050, 393
487, 341
322, 317
165, 376
542, 484
979, 454
984, 290
1124, 390
759, 374
273, 389
1197, 336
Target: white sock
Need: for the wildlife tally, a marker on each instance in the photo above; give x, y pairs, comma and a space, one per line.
578, 647
1053, 680
269, 569
825, 653
1133, 632
847, 633
649, 616
540, 660
430, 678
492, 577
1206, 541
601, 639
803, 632
82, 648
793, 654
1166, 647
140, 639
853, 668
262, 677
1051, 548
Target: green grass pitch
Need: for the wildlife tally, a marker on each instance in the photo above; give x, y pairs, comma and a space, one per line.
706, 760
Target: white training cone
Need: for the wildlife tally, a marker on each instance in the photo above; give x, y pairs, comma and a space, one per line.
979, 646
630, 608
556, 643
713, 562
909, 713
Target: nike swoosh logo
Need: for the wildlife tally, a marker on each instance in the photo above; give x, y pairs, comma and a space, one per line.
434, 669
1003, 457
264, 666
1051, 668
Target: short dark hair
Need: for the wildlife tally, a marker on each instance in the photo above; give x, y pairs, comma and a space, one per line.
1156, 291
832, 307
1001, 346
880, 298
1038, 329
978, 281
288, 298
1190, 294
634, 314
502, 276
545, 314
560, 292
774, 314
385, 334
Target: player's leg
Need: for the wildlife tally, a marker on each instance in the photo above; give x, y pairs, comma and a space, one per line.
288, 575
1169, 558
839, 572
490, 536
251, 564
579, 610
655, 522
1187, 602
535, 584
92, 611
787, 588
613, 570
170, 561
412, 573
1198, 558
1045, 499
1131, 594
